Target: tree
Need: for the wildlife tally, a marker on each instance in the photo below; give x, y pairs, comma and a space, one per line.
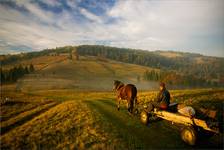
2, 76
74, 55
31, 68
26, 70
70, 56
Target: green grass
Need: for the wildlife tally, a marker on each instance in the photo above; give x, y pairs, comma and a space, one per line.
90, 120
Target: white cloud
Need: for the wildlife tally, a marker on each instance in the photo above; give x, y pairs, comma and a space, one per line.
141, 24
172, 23
51, 3
90, 16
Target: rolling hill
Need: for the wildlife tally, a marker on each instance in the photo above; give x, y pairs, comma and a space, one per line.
87, 73
68, 103
97, 67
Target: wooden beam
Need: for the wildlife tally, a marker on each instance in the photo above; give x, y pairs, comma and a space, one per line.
178, 118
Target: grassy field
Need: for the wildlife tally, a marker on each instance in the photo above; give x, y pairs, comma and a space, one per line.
70, 119
89, 73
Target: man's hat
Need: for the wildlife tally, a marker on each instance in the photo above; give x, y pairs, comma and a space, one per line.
162, 84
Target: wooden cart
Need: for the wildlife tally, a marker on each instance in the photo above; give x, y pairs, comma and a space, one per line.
191, 126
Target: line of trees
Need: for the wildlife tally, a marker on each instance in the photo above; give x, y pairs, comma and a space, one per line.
152, 75
174, 78
13, 74
187, 63
186, 69
9, 59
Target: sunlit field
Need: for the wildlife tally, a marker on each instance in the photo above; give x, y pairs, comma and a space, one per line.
65, 65
57, 119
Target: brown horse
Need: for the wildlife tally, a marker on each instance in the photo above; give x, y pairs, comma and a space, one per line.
125, 92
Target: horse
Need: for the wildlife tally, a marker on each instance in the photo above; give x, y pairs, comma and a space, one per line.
125, 92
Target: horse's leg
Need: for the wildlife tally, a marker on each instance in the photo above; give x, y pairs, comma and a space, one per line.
128, 104
135, 102
118, 103
131, 105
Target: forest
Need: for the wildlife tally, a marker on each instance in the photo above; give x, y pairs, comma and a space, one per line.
13, 74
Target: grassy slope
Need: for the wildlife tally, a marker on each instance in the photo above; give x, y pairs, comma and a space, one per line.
89, 73
85, 120
90, 120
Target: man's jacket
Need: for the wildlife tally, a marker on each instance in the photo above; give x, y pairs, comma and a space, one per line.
164, 97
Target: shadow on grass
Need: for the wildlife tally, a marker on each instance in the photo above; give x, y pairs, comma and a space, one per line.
214, 104
24, 119
11, 103
5, 118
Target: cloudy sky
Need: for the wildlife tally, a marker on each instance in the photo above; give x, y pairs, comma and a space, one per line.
180, 25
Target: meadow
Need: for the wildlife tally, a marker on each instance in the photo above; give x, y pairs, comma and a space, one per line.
71, 119
69, 104
87, 74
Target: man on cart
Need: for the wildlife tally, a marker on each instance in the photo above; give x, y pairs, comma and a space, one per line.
162, 100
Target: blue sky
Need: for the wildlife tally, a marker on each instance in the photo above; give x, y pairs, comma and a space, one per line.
179, 25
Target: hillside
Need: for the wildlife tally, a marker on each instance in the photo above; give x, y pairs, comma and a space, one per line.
87, 73
68, 102
98, 66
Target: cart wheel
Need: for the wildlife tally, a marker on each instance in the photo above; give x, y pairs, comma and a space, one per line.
189, 135
144, 117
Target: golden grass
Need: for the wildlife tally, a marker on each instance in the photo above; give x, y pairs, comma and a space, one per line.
24, 114
87, 73
10, 109
170, 54
82, 119
68, 125
38, 62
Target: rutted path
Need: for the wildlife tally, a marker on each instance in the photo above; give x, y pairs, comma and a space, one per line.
25, 116
24, 107
70, 124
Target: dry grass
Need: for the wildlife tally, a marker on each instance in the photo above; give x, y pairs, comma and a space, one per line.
13, 108
89, 120
23, 116
170, 54
39, 62
87, 73
68, 125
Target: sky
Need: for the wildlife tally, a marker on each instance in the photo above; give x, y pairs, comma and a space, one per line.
195, 26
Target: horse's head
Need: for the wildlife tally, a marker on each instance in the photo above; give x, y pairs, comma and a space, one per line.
117, 84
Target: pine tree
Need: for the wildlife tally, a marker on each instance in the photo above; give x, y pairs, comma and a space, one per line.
2, 76
31, 68
26, 70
